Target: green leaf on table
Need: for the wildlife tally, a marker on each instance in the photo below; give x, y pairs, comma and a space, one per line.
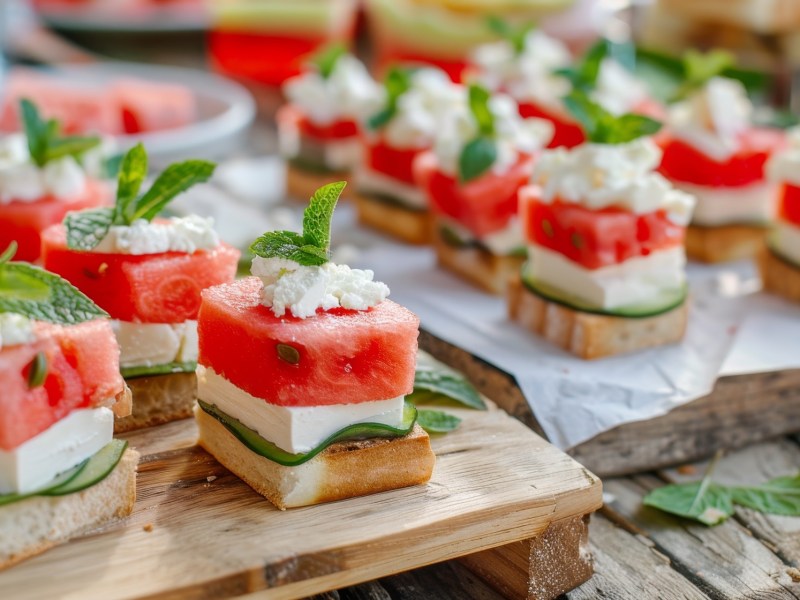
87, 228
436, 421
780, 496
397, 83
602, 127
45, 142
435, 381
476, 158
325, 60
516, 36
703, 501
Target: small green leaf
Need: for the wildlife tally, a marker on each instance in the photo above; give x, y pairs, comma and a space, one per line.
436, 421
289, 245
69, 146
479, 107
476, 158
318, 214
132, 173
87, 228
434, 381
176, 178
779, 496
325, 60
499, 26
604, 128
9, 253
397, 83
516, 36
36, 131
700, 67
703, 501
38, 371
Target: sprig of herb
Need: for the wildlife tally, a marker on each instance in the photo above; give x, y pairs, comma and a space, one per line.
85, 229
516, 36
312, 247
326, 59
436, 421
41, 296
397, 83
602, 127
45, 142
698, 68
584, 73
711, 503
480, 153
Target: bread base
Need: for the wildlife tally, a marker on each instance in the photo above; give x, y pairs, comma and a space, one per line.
779, 276
343, 470
477, 265
159, 399
29, 527
410, 226
301, 185
724, 243
588, 335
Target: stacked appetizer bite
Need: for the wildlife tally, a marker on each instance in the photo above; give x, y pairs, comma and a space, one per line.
387, 197
319, 127
61, 472
303, 374
780, 262
712, 151
484, 152
147, 273
605, 271
41, 179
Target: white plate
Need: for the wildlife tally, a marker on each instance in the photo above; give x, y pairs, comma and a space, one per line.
225, 109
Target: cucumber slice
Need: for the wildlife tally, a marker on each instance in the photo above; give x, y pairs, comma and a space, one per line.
175, 367
390, 200
97, 468
312, 166
452, 238
267, 449
667, 301
60, 479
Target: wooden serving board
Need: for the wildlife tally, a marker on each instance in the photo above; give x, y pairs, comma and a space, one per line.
740, 410
199, 532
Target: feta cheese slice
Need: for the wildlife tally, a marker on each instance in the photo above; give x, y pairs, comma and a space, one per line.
151, 344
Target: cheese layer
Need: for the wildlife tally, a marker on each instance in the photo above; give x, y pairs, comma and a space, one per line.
637, 280
295, 429
70, 441
786, 240
745, 204
152, 344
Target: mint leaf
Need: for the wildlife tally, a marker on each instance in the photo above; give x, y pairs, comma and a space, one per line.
44, 137
9, 253
479, 107
69, 146
397, 83
318, 214
436, 421
435, 381
698, 68
703, 501
175, 179
87, 228
780, 496
325, 60
516, 36
131, 175
42, 296
602, 127
476, 158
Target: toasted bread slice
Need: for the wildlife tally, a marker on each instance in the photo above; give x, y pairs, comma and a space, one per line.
31, 526
779, 276
589, 335
301, 185
159, 399
410, 226
762, 16
477, 265
724, 243
343, 470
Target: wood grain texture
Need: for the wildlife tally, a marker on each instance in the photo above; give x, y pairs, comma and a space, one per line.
740, 410
198, 532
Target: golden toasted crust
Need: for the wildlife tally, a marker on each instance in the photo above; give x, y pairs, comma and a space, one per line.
478, 266
765, 16
412, 227
159, 399
301, 185
122, 403
343, 470
31, 526
779, 276
724, 243
589, 335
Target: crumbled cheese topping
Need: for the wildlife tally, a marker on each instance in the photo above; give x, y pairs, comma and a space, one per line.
617, 89
713, 117
22, 180
15, 329
302, 290
602, 175
178, 234
348, 93
784, 167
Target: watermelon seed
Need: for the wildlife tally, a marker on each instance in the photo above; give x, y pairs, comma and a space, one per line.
288, 353
38, 371
548, 228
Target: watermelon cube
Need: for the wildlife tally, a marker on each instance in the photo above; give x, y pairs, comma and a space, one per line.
146, 106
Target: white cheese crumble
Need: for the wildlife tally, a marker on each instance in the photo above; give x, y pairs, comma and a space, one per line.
22, 180
15, 329
289, 286
784, 167
602, 175
617, 89
178, 234
348, 93
713, 117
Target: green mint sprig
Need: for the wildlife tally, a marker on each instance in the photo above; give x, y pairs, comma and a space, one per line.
326, 59
584, 73
397, 83
45, 142
516, 36
480, 153
711, 503
41, 296
602, 127
312, 247
698, 68
85, 229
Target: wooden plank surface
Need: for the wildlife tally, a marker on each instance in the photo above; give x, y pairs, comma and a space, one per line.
199, 532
